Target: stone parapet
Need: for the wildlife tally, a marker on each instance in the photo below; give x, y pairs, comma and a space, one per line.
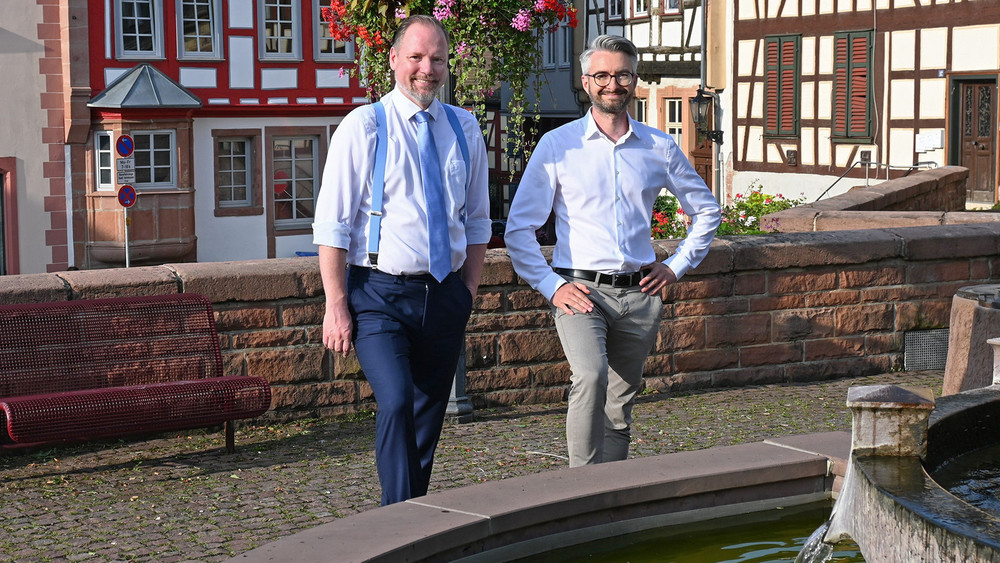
766, 309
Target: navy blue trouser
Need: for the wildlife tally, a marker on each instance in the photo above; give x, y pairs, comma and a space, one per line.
408, 333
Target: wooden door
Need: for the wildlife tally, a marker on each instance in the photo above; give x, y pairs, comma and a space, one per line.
978, 140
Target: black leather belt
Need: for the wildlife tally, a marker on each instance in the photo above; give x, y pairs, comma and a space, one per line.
614, 280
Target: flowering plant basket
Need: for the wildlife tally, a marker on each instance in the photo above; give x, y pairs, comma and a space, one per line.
492, 42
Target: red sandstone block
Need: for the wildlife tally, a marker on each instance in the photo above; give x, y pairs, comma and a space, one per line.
48, 31
694, 287
738, 330
520, 299
681, 334
900, 293
530, 346
709, 307
488, 301
269, 338
801, 324
314, 395
53, 170
52, 101
496, 379
776, 303
486, 322
52, 135
770, 354
242, 318
480, 350
763, 375
937, 271
828, 348
832, 369
679, 382
785, 282
868, 277
861, 220
497, 269
883, 344
49, 66
854, 319
658, 364
934, 313
980, 268
306, 313
342, 367
750, 284
55, 237
57, 220
286, 365
706, 360
958, 241
233, 364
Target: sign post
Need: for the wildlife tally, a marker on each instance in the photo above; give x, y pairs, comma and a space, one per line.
125, 177
127, 197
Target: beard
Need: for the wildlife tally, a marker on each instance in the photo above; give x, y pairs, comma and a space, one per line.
613, 107
424, 97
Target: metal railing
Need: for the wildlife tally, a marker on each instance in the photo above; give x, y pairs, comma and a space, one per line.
869, 164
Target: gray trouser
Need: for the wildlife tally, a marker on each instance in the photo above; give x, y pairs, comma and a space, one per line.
606, 349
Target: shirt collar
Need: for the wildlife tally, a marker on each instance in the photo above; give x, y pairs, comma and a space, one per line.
592, 132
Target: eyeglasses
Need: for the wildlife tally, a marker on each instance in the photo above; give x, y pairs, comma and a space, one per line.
603, 78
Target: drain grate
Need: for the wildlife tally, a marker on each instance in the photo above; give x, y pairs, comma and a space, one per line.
925, 349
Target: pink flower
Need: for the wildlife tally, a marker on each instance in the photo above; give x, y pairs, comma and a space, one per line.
461, 49
400, 14
522, 21
442, 9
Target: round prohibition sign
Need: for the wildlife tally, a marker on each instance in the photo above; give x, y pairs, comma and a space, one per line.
126, 196
125, 145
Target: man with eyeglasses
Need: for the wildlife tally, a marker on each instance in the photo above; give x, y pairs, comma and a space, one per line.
601, 175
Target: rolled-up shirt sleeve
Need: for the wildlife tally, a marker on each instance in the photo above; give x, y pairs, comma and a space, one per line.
700, 205
346, 180
478, 225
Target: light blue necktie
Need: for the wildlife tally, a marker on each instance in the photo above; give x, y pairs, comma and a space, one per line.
439, 247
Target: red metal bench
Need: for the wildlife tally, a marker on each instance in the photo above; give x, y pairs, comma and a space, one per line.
88, 369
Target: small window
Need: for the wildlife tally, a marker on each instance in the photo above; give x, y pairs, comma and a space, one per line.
673, 121
325, 47
155, 160
641, 110
238, 190
198, 26
139, 29
671, 7
280, 30
294, 176
640, 8
615, 9
104, 165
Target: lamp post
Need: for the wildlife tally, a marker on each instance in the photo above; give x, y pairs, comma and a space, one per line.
701, 106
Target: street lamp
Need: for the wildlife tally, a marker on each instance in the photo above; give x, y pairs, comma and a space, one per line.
701, 106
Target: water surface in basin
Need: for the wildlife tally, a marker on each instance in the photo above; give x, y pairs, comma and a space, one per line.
773, 536
974, 477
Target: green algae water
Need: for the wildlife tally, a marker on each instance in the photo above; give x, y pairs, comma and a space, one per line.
773, 536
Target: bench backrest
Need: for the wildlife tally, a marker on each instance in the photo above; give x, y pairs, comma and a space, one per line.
89, 344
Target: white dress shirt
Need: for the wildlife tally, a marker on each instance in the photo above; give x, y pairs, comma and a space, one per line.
342, 208
602, 193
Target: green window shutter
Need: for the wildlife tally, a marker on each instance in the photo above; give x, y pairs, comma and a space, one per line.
781, 85
851, 84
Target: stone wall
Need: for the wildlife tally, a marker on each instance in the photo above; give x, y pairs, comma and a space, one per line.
764, 309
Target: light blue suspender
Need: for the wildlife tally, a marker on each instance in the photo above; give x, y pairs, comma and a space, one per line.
378, 175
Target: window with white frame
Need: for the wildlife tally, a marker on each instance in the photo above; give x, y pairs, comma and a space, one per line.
640, 7
155, 159
280, 29
673, 118
104, 162
233, 173
325, 47
615, 11
139, 29
671, 6
294, 176
641, 109
198, 24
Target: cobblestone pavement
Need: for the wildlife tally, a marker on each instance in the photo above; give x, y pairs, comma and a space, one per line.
183, 498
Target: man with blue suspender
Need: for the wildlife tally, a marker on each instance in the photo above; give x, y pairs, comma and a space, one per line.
402, 223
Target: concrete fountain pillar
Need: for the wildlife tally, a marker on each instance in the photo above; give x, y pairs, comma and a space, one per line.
889, 420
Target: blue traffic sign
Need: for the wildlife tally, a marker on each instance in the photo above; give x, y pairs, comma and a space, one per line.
126, 196
125, 145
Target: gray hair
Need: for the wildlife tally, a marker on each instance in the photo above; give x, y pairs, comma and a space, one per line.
404, 25
611, 43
